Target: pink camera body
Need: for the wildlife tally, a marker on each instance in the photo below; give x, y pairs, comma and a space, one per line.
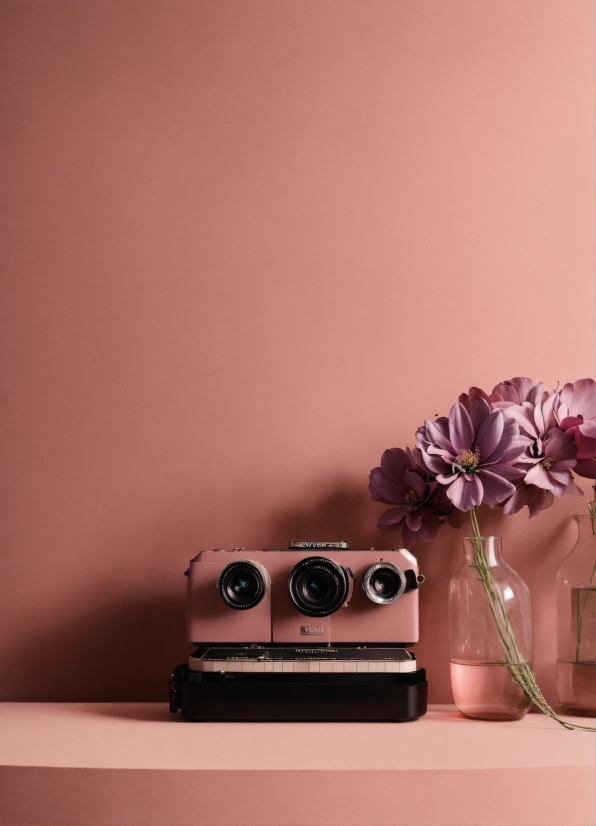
307, 597
209, 618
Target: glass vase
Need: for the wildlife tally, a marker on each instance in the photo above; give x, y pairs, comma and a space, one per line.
576, 621
490, 623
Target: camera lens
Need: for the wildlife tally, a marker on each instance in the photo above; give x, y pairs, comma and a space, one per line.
319, 586
384, 583
243, 584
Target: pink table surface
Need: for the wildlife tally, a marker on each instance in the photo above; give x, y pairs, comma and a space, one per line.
122, 764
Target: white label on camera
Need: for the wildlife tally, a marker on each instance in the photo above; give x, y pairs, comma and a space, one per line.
312, 630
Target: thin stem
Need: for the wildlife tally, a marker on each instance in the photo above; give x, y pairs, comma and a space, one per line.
518, 667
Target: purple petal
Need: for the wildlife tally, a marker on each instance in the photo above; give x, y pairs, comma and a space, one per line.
391, 517
510, 472
538, 500
518, 500
517, 389
446, 478
544, 412
461, 431
588, 428
438, 503
573, 490
414, 520
435, 463
489, 435
523, 414
496, 489
418, 460
465, 495
469, 399
479, 413
384, 489
570, 421
561, 476
548, 411
563, 467
539, 476
417, 484
394, 463
558, 446
438, 433
586, 468
513, 443
580, 398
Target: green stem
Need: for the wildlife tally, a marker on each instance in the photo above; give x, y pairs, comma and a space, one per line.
518, 667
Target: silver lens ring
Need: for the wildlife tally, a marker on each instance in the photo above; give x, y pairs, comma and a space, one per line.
318, 586
243, 583
384, 583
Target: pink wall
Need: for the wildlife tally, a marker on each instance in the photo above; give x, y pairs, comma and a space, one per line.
247, 245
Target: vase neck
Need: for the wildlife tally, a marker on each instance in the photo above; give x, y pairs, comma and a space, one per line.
488, 546
592, 517
586, 526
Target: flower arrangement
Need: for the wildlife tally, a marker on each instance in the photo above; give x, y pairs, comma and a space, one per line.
516, 447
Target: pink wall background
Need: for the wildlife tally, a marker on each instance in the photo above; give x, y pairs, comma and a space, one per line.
247, 245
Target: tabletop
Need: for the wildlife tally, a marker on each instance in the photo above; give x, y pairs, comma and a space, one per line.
121, 764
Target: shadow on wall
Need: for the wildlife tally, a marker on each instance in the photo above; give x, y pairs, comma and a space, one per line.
344, 512
124, 649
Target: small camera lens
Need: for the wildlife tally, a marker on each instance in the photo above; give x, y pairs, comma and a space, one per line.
319, 586
243, 584
384, 583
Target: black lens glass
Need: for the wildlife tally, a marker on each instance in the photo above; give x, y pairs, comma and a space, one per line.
385, 583
317, 587
244, 585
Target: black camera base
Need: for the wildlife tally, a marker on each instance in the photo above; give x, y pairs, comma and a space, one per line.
323, 697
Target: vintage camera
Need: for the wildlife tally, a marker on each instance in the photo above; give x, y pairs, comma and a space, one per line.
315, 590
296, 629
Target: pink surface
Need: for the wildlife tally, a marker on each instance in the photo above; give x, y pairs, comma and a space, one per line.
91, 764
246, 247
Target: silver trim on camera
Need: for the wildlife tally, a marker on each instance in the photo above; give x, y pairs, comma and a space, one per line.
303, 545
251, 563
371, 593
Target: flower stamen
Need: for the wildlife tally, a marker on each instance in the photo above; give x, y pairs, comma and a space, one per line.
412, 500
467, 461
547, 463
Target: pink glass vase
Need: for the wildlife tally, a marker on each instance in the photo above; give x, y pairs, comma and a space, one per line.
576, 621
490, 623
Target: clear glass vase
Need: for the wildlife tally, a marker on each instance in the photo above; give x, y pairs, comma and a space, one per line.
576, 621
490, 623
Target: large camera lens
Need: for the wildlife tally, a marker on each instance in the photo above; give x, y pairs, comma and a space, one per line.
243, 584
384, 583
319, 586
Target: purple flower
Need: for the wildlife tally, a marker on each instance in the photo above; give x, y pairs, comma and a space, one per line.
548, 458
504, 394
535, 498
517, 391
469, 399
472, 453
403, 481
577, 418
